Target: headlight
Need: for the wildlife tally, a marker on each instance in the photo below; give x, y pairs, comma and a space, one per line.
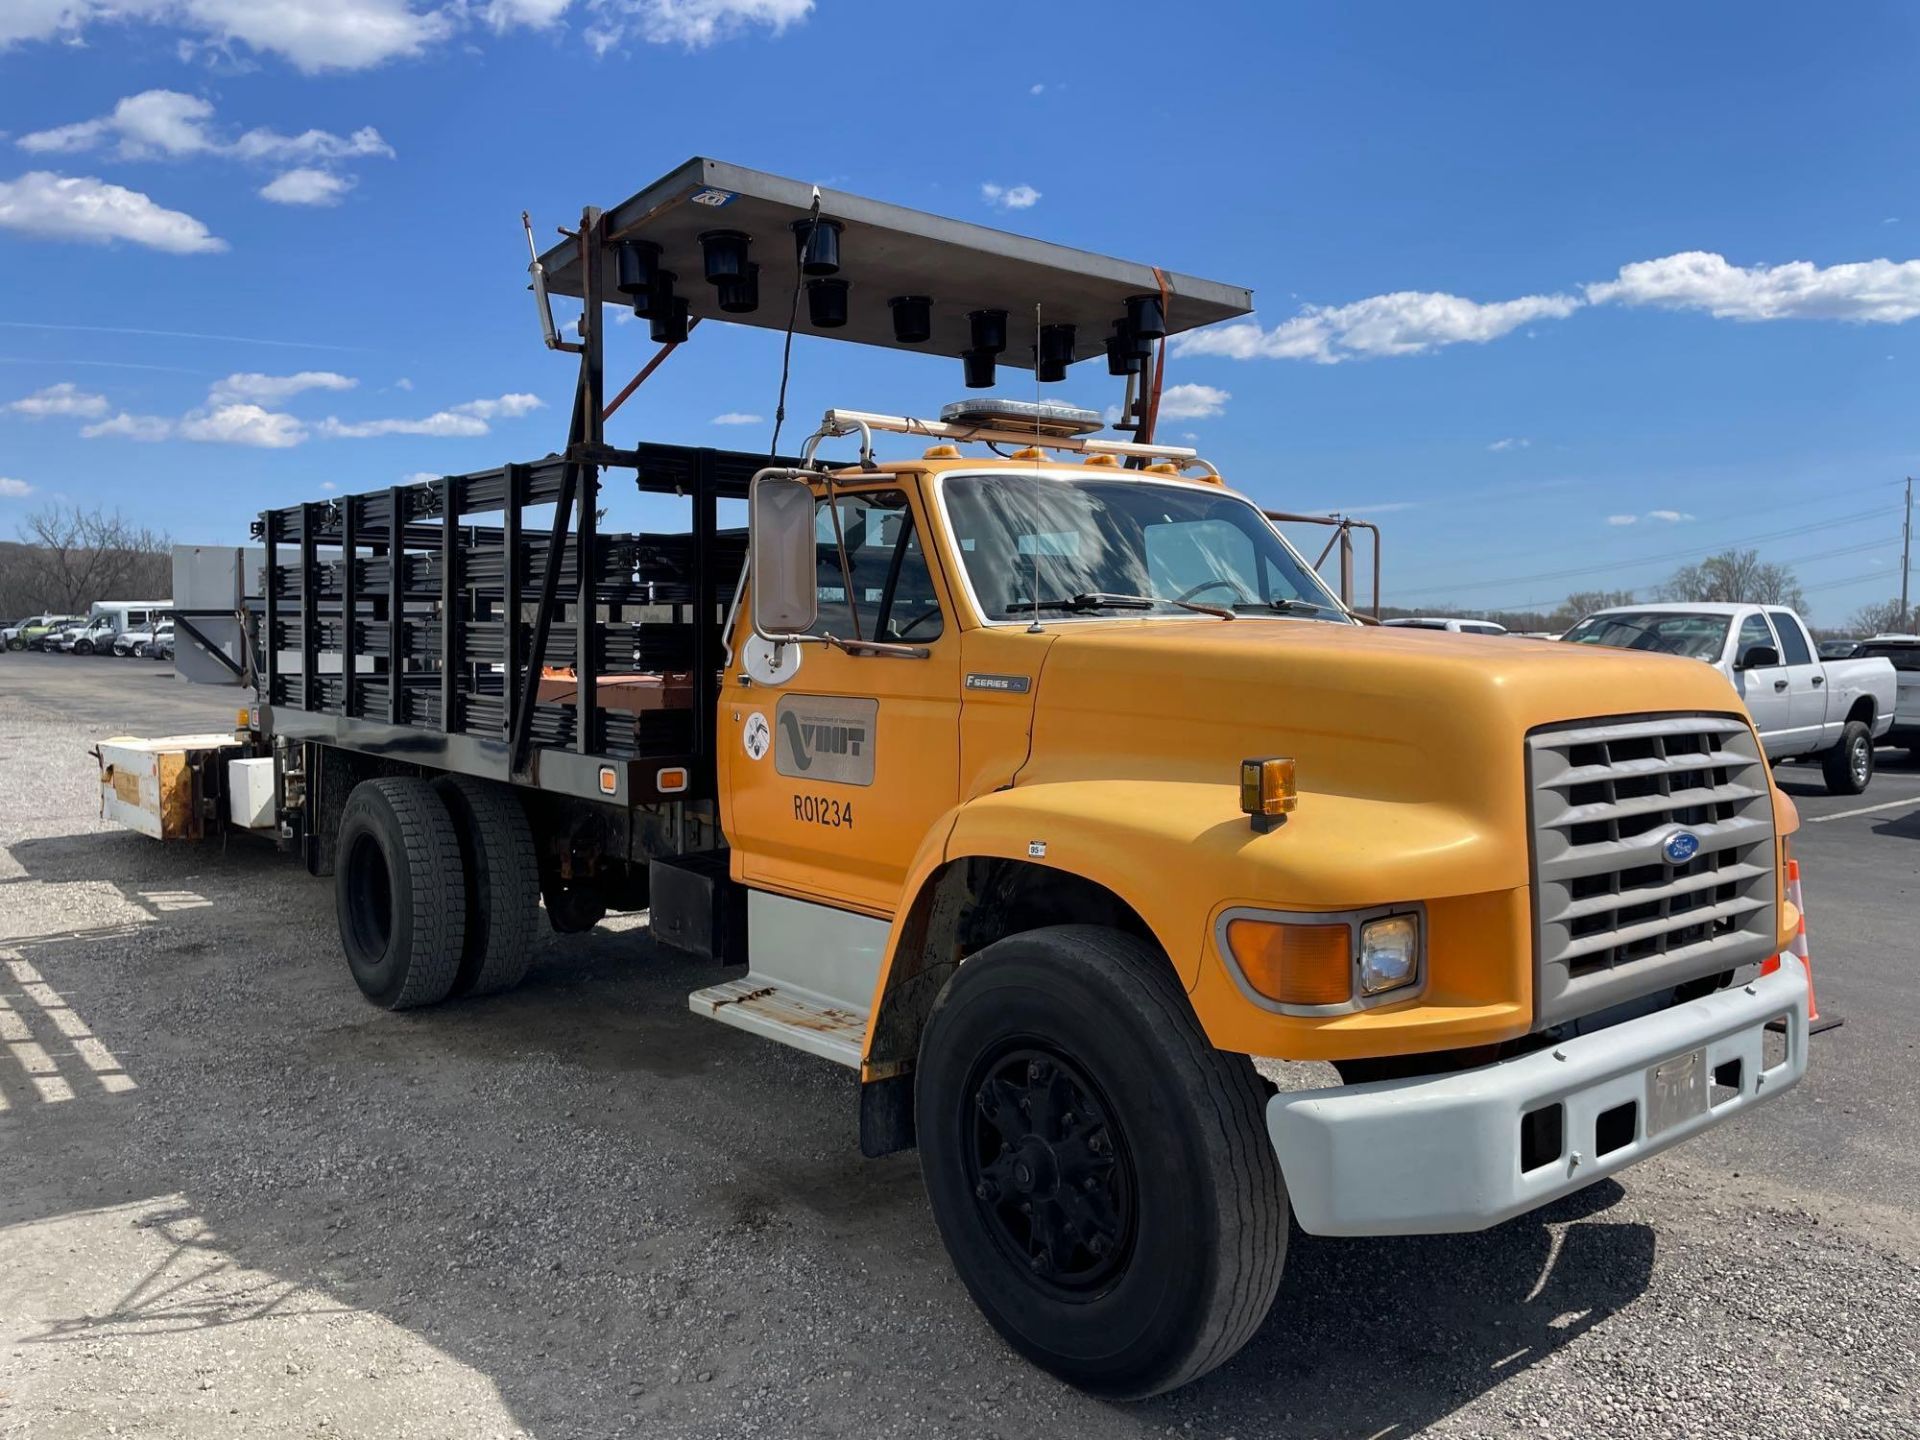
1389, 953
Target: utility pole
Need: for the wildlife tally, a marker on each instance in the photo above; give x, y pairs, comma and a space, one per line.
1906, 555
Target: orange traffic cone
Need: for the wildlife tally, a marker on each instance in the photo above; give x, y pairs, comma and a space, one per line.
1798, 948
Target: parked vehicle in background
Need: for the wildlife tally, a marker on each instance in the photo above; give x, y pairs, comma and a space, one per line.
1436, 622
1903, 653
160, 647
1804, 707
31, 633
1839, 649
134, 640
108, 620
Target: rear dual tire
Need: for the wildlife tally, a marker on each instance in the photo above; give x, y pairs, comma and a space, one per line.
436, 889
400, 891
1101, 1175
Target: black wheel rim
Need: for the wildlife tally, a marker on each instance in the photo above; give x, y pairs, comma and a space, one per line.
369, 899
1051, 1173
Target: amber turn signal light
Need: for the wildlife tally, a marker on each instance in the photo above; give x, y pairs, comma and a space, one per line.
1294, 964
1267, 790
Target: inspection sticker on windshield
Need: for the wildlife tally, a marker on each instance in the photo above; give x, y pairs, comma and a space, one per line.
1676, 1091
825, 737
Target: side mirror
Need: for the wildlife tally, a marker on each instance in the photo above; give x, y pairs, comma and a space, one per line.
782, 554
1757, 657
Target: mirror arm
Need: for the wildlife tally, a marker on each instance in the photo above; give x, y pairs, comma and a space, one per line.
877, 647
848, 647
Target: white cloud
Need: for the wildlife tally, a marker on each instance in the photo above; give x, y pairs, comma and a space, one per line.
419, 476
306, 186
311, 35
1407, 322
66, 398
130, 427
272, 389
506, 407
328, 485
697, 24
442, 423
502, 15
403, 383
1665, 517
1511, 442
464, 420
738, 417
11, 489
61, 207
1009, 197
243, 425
1193, 402
1865, 291
1038, 88
331, 35
172, 125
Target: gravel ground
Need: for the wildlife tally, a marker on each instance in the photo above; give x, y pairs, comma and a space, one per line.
236, 1200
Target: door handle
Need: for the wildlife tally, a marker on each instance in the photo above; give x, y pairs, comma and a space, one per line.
1779, 684
1819, 680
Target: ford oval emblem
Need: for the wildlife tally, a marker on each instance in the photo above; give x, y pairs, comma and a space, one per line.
1680, 847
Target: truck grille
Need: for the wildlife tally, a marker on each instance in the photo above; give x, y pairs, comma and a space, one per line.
1614, 916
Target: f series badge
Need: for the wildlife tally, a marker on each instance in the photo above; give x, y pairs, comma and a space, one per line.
1008, 684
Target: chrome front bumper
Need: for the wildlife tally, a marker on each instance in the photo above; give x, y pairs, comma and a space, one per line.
1444, 1153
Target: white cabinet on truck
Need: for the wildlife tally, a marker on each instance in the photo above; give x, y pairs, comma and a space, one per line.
1804, 707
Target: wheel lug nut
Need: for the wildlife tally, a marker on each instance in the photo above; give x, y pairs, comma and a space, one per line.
1097, 1245
1041, 1263
1090, 1184
986, 1190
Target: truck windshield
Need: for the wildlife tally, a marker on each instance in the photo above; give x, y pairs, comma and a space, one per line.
1109, 547
1698, 637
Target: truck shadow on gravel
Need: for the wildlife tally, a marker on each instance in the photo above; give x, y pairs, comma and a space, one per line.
594, 1199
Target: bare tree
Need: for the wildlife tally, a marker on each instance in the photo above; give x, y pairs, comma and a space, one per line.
1737, 576
1583, 603
71, 556
1887, 617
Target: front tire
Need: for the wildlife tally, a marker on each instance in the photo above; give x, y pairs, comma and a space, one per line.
1848, 766
1101, 1175
400, 892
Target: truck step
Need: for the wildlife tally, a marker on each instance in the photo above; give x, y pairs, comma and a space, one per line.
792, 1016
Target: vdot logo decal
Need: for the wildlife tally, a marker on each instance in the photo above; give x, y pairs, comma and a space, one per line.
825, 737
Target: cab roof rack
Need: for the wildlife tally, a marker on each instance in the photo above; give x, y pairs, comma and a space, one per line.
1008, 431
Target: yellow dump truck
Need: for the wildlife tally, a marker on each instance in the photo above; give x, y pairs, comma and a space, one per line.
1034, 777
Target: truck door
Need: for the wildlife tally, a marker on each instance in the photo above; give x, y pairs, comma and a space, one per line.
833, 766
1806, 685
1764, 687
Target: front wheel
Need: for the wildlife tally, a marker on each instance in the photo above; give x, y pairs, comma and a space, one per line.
1849, 765
1101, 1175
83, 647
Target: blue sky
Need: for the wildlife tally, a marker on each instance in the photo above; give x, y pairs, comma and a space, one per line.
1560, 297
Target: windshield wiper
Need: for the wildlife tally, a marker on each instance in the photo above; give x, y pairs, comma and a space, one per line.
1105, 600
1291, 607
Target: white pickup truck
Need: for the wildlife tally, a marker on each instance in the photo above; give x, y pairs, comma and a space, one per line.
1804, 707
